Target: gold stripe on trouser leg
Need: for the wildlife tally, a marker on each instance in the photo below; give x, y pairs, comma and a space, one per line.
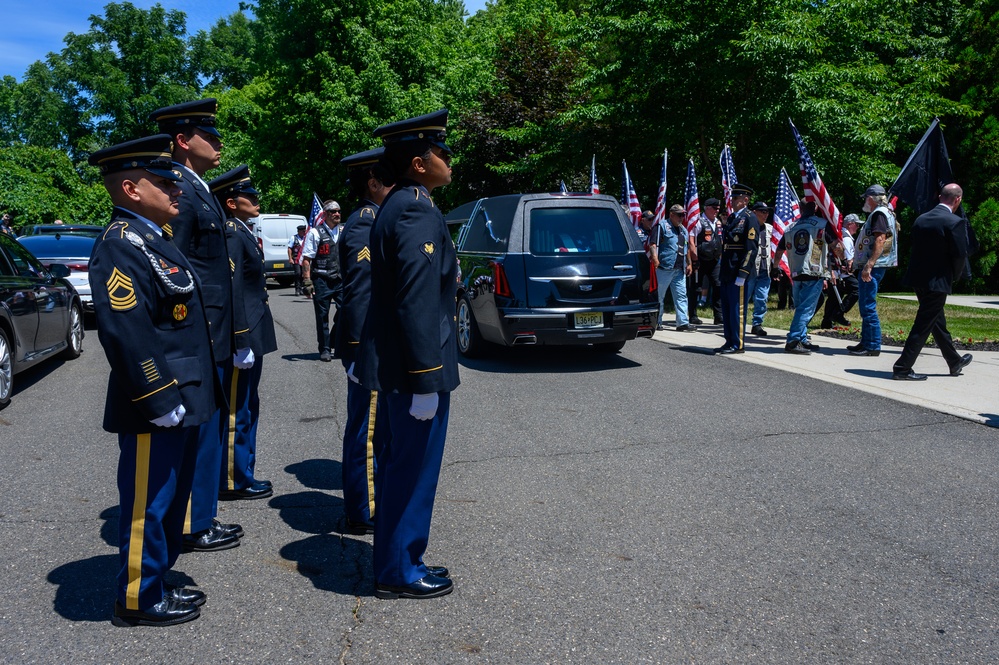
231, 444
742, 315
136, 539
187, 517
369, 455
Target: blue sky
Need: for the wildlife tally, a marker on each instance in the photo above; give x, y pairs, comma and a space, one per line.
32, 29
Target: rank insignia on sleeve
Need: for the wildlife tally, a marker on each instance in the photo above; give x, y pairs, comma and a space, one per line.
179, 312
752, 234
232, 266
428, 249
121, 293
364, 255
150, 370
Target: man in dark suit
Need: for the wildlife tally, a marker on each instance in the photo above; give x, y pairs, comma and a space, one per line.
198, 231
409, 352
939, 253
151, 323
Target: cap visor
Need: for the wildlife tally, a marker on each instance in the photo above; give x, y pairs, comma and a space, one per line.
166, 173
443, 146
208, 129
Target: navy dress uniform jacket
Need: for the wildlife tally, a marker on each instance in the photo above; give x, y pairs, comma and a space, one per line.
355, 267
154, 334
939, 250
199, 231
252, 319
409, 342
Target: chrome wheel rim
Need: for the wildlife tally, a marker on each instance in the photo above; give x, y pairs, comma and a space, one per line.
464, 326
75, 329
6, 370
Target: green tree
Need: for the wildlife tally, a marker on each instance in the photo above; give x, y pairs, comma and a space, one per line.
225, 55
332, 71
39, 185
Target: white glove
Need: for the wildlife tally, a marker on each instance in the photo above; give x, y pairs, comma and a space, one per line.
424, 406
740, 281
171, 419
350, 374
243, 358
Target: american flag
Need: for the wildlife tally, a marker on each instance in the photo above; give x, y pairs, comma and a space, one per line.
661, 200
786, 213
815, 189
727, 176
594, 187
562, 188
629, 199
691, 202
317, 209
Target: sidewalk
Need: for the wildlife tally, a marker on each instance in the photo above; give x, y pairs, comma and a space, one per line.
985, 302
974, 395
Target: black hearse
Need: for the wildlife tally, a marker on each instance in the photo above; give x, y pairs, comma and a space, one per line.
566, 269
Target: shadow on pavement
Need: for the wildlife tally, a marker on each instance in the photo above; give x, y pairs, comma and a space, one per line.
333, 563
549, 360
86, 588
318, 474
310, 512
295, 357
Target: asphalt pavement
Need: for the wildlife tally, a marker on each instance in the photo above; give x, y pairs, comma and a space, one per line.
660, 505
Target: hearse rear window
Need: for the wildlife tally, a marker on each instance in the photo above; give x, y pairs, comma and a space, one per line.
576, 230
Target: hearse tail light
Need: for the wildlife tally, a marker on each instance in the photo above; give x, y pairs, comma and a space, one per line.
501, 286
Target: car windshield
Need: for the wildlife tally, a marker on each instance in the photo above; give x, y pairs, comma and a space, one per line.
45, 246
576, 230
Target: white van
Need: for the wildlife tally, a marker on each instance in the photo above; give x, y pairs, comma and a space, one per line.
273, 232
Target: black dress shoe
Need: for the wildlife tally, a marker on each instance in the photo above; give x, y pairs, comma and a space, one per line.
362, 528
438, 571
233, 529
907, 376
686, 328
718, 322
430, 586
167, 612
810, 346
696, 320
865, 352
212, 539
841, 320
759, 331
325, 355
183, 595
796, 348
257, 490
855, 347
729, 350
964, 362
826, 323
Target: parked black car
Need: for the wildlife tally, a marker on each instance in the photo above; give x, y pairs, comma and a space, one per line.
65, 229
565, 269
40, 314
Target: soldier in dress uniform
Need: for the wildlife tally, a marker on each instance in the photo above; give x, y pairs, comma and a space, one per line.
199, 232
741, 239
254, 338
162, 387
409, 352
366, 428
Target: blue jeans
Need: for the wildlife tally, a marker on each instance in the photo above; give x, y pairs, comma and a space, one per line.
867, 304
806, 296
758, 288
676, 281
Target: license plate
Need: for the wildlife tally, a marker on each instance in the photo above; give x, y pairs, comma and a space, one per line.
278, 265
589, 319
